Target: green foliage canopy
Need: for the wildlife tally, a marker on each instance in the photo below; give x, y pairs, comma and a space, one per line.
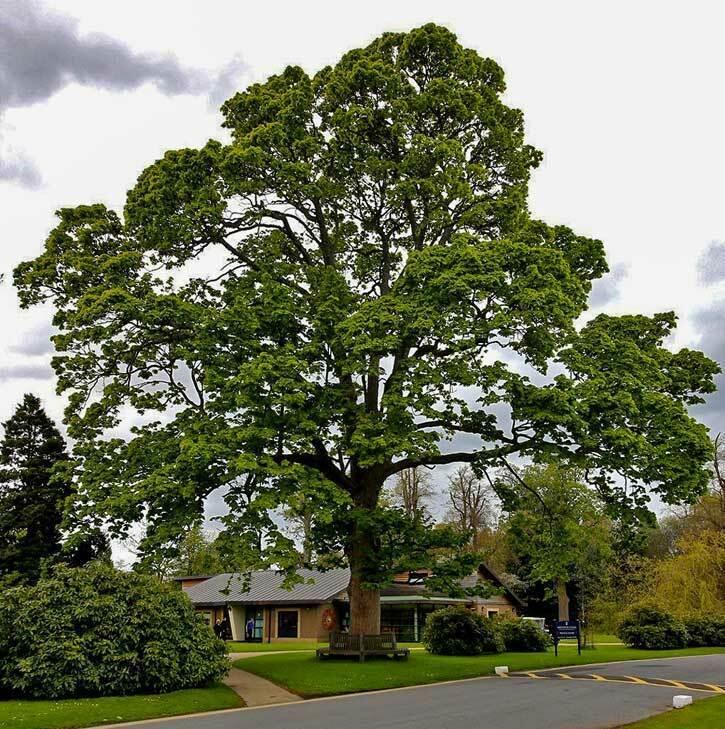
555, 524
328, 298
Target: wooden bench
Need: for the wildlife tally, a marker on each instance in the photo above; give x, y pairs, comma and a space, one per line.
361, 646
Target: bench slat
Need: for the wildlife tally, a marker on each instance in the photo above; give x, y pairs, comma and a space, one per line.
345, 644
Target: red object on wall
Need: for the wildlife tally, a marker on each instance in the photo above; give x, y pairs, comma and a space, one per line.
328, 619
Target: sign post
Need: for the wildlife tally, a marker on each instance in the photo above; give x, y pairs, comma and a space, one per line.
566, 629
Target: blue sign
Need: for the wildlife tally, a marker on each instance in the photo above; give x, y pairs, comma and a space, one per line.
566, 629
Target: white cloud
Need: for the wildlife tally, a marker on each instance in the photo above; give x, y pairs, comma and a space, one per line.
26, 371
711, 263
44, 52
608, 288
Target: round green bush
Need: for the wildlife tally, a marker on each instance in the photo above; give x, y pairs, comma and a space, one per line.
460, 632
521, 635
95, 631
707, 631
652, 628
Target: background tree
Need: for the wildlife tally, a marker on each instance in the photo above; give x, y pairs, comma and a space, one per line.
300, 515
412, 491
84, 546
470, 501
680, 569
692, 581
710, 509
367, 257
558, 528
198, 554
32, 494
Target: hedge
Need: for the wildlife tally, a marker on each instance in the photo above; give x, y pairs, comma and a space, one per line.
460, 632
706, 631
652, 628
97, 631
521, 635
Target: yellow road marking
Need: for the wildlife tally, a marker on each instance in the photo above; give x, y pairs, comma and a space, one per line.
678, 684
628, 679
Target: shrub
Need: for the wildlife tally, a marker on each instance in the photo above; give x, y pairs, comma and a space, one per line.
460, 632
649, 627
706, 631
521, 635
96, 631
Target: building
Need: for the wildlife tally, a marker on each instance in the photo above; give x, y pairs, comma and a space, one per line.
319, 604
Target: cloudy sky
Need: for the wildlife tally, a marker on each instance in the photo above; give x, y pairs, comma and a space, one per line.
625, 100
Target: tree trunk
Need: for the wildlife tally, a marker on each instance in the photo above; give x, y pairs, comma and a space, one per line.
562, 599
364, 608
362, 556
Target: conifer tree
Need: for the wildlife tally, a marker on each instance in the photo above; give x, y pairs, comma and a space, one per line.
31, 493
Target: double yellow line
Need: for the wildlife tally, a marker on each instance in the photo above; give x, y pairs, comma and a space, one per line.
691, 686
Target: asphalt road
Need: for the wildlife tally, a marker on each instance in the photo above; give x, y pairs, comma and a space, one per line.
710, 669
496, 703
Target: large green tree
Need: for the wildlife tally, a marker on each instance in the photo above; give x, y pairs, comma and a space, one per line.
32, 494
558, 529
328, 298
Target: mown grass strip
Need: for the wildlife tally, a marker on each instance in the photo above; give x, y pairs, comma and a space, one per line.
75, 713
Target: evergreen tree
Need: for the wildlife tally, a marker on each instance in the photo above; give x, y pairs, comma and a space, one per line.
89, 544
31, 494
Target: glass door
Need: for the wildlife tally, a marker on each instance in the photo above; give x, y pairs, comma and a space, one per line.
256, 615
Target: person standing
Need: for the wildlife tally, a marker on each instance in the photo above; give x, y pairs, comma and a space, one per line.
250, 629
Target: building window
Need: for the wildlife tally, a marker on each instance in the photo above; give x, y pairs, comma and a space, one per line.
491, 613
287, 623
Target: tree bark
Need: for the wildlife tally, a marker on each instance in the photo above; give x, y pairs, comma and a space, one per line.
364, 608
562, 599
362, 556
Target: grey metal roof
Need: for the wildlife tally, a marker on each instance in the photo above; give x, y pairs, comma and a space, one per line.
266, 587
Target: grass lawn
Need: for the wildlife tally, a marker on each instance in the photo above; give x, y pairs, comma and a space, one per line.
602, 638
305, 675
704, 714
70, 713
301, 645
599, 639
605, 638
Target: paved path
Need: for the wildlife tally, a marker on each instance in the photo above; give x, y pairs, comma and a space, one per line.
503, 703
257, 691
